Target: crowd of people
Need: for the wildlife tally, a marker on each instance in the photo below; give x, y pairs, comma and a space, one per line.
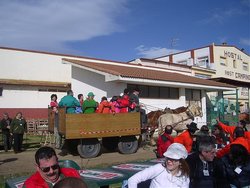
128, 101
216, 158
207, 157
13, 131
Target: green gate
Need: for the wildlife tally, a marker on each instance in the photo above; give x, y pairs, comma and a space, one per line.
225, 106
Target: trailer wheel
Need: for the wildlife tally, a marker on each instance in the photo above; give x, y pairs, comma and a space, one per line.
110, 143
128, 144
89, 148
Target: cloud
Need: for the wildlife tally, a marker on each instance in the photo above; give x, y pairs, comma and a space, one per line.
51, 24
154, 52
222, 15
245, 41
246, 3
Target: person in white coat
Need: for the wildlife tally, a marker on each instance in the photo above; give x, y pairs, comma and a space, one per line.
173, 173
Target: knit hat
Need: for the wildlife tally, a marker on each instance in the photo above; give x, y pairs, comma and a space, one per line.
176, 151
91, 94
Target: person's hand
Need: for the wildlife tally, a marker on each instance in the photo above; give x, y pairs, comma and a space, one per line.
217, 119
11, 134
8, 127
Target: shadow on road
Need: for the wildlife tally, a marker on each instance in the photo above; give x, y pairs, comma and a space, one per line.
7, 160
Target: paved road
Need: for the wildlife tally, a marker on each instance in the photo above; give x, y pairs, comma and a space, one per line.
11, 163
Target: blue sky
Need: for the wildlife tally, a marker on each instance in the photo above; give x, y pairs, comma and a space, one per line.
123, 30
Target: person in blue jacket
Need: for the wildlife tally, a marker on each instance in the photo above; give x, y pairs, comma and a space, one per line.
70, 102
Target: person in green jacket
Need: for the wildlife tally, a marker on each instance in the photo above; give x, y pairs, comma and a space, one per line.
89, 105
70, 102
17, 128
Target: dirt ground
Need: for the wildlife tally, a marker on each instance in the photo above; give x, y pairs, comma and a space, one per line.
11, 163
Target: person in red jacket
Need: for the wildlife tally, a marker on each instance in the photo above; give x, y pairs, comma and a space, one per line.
230, 129
48, 170
164, 141
105, 106
238, 139
186, 138
124, 102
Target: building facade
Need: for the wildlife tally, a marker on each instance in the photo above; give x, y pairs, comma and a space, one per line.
222, 63
28, 78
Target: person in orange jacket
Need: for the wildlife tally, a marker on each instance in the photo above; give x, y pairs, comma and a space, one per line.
105, 106
230, 129
238, 139
186, 138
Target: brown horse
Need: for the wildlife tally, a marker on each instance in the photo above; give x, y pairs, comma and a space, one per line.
153, 117
179, 121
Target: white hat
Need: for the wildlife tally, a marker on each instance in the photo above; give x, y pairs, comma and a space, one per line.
176, 151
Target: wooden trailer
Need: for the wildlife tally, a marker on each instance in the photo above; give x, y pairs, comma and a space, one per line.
93, 130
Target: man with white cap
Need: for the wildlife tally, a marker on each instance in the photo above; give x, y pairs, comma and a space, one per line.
174, 172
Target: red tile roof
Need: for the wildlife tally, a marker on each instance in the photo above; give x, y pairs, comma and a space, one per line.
141, 72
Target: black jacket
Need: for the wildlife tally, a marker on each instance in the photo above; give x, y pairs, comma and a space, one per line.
4, 124
215, 179
240, 179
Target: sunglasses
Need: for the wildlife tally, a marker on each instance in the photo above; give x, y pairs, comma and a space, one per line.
47, 169
172, 160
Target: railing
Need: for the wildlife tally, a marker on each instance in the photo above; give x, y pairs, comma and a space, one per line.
37, 126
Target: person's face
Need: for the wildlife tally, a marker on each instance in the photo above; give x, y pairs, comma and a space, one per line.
240, 125
19, 115
172, 164
5, 116
49, 169
209, 155
54, 98
216, 131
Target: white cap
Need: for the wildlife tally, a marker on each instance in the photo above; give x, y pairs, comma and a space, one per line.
176, 151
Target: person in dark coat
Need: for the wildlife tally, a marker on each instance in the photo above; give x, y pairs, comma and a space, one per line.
18, 127
237, 165
5, 126
137, 107
205, 169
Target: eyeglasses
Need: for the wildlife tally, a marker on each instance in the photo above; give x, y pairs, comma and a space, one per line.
212, 152
47, 169
172, 160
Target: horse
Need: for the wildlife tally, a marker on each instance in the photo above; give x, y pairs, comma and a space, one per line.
179, 121
153, 117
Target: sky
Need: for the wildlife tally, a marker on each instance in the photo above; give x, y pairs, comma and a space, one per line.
123, 30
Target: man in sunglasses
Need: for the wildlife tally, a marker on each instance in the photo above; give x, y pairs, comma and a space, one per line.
48, 170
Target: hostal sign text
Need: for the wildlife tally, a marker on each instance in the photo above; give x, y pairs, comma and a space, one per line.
232, 73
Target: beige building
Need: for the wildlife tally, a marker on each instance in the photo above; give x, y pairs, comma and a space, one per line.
223, 63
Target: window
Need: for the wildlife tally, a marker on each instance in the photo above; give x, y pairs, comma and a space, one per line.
156, 92
223, 61
202, 62
1, 91
203, 76
234, 63
245, 66
193, 96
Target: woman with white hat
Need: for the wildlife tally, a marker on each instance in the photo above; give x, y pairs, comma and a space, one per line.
174, 172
